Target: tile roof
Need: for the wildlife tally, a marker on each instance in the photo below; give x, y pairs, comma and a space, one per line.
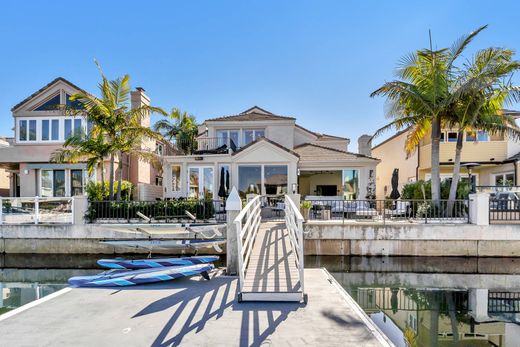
269, 141
251, 114
33, 95
322, 136
311, 151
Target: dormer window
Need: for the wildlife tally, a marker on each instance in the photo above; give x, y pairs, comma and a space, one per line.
50, 105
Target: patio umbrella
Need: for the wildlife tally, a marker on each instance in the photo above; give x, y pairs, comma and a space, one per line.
395, 182
222, 188
227, 181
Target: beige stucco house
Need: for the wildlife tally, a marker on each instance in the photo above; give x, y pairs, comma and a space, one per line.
497, 157
259, 152
40, 128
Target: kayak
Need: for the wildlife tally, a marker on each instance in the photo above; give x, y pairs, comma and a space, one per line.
133, 277
154, 262
154, 244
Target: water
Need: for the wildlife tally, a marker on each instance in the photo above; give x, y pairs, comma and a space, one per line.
438, 301
426, 301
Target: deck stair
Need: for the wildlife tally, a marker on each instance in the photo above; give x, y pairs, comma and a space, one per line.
270, 254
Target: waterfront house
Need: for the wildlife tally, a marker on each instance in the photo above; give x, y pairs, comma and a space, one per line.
40, 128
264, 153
497, 158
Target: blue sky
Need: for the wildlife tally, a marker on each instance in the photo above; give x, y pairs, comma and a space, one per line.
314, 60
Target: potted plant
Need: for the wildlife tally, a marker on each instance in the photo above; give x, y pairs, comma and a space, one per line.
305, 207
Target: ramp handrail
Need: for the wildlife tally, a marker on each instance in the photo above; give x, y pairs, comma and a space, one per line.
294, 224
247, 224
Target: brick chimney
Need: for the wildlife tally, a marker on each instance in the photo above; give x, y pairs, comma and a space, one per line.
365, 145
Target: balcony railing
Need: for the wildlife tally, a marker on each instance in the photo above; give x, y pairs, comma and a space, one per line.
205, 145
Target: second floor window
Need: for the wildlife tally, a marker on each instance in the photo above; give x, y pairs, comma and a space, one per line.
251, 135
50, 129
69, 130
27, 130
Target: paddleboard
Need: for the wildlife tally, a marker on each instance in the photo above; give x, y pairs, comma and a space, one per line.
154, 244
154, 262
133, 277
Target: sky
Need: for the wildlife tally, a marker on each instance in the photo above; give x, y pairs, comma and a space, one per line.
317, 61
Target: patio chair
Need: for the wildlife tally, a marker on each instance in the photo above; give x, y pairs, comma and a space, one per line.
401, 209
363, 209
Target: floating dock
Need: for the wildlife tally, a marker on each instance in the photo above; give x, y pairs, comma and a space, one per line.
191, 312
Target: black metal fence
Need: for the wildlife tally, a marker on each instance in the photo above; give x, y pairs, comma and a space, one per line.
167, 211
504, 302
425, 211
504, 207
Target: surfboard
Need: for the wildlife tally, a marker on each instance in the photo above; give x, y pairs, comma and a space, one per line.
135, 264
120, 278
154, 244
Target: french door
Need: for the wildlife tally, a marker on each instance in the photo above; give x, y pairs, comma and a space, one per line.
200, 182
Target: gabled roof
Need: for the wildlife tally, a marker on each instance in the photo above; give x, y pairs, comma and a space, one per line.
252, 114
41, 90
322, 136
311, 151
268, 141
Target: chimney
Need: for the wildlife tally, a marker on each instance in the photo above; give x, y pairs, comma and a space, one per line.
365, 145
138, 98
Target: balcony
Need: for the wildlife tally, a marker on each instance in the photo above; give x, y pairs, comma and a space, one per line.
484, 151
203, 146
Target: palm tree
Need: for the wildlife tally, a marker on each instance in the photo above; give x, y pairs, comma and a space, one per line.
110, 114
485, 88
180, 129
422, 96
79, 148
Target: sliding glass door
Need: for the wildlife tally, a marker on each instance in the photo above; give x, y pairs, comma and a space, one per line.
200, 182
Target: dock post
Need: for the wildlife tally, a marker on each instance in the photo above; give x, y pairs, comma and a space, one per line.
233, 207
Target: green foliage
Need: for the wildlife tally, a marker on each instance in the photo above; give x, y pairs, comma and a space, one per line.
95, 191
306, 204
160, 210
421, 190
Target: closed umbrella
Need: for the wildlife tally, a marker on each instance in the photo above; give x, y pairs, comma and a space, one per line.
222, 188
395, 183
227, 181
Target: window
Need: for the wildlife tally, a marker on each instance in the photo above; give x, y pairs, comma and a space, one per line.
452, 136
249, 180
201, 189
176, 178
505, 179
22, 130
50, 104
471, 136
227, 136
350, 184
52, 183
68, 128
55, 130
222, 136
159, 149
32, 130
443, 136
251, 135
75, 104
158, 180
482, 136
77, 182
45, 130
275, 179
50, 129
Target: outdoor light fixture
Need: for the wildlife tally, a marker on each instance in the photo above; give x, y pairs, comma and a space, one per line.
294, 188
469, 167
26, 172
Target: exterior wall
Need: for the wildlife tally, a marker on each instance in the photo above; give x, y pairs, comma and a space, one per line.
302, 136
27, 181
4, 182
393, 155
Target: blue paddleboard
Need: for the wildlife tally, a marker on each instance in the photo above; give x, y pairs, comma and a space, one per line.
154, 262
133, 277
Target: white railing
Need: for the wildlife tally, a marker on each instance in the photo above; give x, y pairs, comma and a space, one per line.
36, 210
294, 224
247, 224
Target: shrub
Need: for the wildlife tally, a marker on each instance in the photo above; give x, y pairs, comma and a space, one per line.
95, 192
306, 204
422, 190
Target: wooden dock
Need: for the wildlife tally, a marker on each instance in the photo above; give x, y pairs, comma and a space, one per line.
192, 312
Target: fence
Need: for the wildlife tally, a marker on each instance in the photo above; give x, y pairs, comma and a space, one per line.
155, 211
293, 222
504, 207
424, 211
206, 145
36, 210
497, 189
504, 302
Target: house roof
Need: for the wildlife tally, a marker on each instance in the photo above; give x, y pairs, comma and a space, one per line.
322, 136
312, 151
515, 157
252, 114
266, 140
41, 90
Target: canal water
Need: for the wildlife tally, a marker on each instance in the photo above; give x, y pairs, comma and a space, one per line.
415, 301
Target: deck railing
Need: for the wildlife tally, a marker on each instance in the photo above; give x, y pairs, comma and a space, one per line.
36, 210
420, 211
294, 224
247, 224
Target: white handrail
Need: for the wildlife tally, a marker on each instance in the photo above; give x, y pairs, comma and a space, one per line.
35, 210
294, 224
247, 224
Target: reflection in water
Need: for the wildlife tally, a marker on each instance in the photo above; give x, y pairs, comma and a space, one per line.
435, 301
13, 295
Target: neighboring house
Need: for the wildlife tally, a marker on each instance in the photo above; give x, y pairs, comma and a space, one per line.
259, 152
40, 129
498, 159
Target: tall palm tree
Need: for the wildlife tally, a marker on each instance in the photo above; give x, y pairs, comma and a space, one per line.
110, 113
484, 85
422, 96
179, 128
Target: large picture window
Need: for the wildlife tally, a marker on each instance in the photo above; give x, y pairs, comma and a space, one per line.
350, 184
275, 179
249, 180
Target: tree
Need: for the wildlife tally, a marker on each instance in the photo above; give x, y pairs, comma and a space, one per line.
422, 96
113, 119
180, 129
484, 86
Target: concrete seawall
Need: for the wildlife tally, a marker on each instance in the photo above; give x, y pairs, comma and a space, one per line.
412, 239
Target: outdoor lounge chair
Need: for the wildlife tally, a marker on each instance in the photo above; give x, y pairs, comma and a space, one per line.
363, 209
401, 209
